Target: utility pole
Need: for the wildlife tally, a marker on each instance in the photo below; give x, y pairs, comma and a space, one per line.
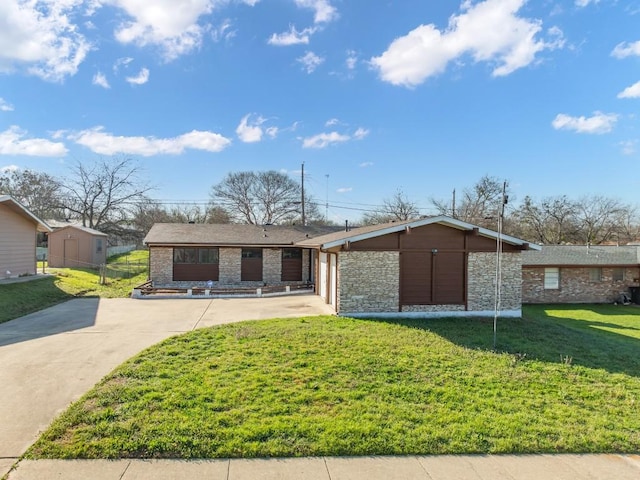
326, 205
304, 220
498, 288
453, 204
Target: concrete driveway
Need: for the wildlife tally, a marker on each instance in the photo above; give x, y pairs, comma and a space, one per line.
50, 358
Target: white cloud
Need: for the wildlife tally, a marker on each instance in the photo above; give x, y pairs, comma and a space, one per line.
13, 142
100, 80
310, 61
366, 164
121, 62
585, 3
272, 131
628, 147
324, 11
104, 143
223, 31
360, 133
9, 169
292, 37
631, 92
250, 131
624, 49
323, 140
39, 36
140, 79
331, 122
5, 106
169, 24
489, 31
344, 189
597, 124
251, 3
352, 59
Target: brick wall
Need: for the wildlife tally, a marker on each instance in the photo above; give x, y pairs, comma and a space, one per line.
161, 265
481, 281
576, 286
271, 265
368, 282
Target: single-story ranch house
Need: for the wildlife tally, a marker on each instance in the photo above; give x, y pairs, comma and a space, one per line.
437, 264
190, 255
18, 232
579, 273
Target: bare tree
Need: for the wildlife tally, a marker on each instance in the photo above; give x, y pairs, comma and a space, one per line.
38, 191
551, 221
600, 218
479, 204
261, 197
104, 195
396, 208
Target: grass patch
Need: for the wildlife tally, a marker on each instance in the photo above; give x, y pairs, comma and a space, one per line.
18, 299
339, 386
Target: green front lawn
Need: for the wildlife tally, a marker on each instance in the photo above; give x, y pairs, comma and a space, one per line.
340, 386
123, 273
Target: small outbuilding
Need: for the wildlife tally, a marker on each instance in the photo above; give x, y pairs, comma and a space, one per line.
77, 246
18, 231
435, 266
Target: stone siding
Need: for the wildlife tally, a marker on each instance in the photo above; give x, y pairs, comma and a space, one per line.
161, 265
433, 308
576, 286
481, 276
271, 266
229, 273
368, 282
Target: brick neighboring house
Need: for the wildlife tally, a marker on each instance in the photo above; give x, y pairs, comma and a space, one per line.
579, 273
429, 267
189, 255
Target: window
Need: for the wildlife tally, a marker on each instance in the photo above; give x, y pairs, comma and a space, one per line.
184, 255
98, 245
208, 255
195, 264
618, 275
595, 275
551, 278
291, 253
251, 253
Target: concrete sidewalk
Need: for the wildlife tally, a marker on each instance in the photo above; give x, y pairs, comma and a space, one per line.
446, 467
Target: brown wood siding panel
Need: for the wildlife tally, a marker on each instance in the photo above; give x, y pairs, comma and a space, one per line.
251, 270
449, 278
196, 272
291, 269
433, 236
385, 242
415, 278
477, 243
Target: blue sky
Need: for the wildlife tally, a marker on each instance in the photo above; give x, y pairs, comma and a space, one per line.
380, 95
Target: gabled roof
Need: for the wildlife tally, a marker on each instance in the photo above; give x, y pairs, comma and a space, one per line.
583, 255
84, 229
363, 233
230, 234
20, 209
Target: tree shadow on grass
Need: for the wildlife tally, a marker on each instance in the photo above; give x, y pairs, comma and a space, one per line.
541, 337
